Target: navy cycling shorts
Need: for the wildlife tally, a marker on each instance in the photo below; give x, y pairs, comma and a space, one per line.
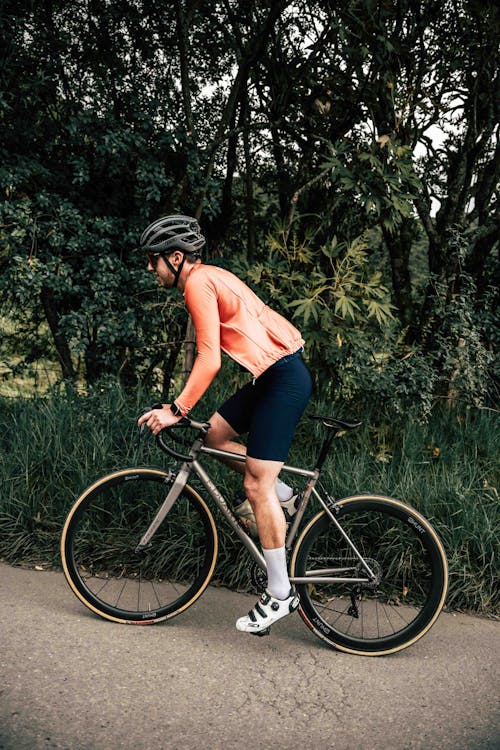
270, 407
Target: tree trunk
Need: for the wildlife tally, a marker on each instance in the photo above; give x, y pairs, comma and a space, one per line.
49, 305
399, 247
189, 350
182, 35
93, 370
250, 201
220, 225
168, 372
281, 173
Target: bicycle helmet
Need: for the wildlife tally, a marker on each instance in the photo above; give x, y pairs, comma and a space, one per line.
170, 233
176, 232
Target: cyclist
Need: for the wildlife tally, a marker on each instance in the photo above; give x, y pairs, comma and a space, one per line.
229, 317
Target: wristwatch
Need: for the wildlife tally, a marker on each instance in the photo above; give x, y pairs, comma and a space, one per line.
175, 410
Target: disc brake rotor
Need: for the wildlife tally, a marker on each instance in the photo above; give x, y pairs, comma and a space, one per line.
376, 569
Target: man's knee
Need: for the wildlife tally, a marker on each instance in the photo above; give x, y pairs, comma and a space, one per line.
219, 433
212, 439
259, 486
259, 483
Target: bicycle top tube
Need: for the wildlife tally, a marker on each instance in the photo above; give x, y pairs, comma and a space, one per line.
335, 426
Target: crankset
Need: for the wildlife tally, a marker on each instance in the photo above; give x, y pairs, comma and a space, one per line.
258, 578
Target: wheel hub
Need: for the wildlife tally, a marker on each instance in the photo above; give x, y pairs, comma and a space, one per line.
376, 569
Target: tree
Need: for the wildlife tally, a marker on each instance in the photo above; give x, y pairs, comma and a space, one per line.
299, 124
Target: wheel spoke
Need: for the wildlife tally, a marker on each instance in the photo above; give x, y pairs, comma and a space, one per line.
409, 568
102, 587
102, 537
121, 592
156, 593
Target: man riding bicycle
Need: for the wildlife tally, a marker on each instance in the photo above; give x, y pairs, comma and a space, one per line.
228, 316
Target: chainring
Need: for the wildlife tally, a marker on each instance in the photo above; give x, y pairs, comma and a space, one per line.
257, 577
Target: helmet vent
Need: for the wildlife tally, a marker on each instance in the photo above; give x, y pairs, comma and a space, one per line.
176, 232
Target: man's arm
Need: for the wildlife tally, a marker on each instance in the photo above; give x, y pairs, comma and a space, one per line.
201, 301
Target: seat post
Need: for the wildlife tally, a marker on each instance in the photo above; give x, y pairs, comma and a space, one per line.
335, 426
325, 448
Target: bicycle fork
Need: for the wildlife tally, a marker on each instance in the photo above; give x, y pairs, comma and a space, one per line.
174, 492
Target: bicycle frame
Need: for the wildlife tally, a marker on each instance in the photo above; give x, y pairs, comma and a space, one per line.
330, 575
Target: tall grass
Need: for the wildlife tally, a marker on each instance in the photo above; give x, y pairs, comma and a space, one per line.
448, 470
51, 448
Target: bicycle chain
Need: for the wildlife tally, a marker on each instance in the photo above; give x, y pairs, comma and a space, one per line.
258, 577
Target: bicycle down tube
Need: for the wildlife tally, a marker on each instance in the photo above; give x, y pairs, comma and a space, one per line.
324, 576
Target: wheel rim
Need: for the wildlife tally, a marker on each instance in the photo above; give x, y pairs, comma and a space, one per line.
103, 534
408, 590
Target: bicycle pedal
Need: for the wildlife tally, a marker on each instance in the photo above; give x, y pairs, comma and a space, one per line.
260, 633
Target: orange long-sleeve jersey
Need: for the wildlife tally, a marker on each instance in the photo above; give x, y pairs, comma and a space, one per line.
228, 316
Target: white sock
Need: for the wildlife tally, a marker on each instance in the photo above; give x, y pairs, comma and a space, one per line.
283, 491
278, 583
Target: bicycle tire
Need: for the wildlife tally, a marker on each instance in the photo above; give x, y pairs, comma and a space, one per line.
402, 549
102, 531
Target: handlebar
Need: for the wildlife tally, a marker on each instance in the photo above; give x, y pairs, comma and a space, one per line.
184, 423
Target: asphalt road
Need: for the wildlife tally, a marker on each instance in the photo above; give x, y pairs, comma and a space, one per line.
69, 679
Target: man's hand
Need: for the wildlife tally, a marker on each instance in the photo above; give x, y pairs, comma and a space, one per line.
157, 419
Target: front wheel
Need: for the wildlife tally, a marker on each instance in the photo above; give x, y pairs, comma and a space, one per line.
101, 535
383, 612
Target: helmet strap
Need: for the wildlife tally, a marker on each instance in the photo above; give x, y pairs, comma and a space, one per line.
176, 272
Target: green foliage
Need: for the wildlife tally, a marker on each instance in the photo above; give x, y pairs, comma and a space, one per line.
379, 180
112, 115
333, 295
104, 307
461, 357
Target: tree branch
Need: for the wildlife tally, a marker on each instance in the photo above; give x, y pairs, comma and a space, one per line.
252, 51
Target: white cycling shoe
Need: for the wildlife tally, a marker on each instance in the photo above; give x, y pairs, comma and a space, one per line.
267, 611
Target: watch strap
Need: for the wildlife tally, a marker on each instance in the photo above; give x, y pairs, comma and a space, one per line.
175, 410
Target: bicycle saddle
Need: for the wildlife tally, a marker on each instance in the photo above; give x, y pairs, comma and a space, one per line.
337, 424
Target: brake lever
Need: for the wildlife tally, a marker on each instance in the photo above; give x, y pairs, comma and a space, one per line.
142, 434
142, 429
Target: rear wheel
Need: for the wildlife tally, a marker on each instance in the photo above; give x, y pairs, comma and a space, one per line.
101, 534
399, 603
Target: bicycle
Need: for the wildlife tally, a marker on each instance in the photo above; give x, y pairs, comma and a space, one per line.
139, 546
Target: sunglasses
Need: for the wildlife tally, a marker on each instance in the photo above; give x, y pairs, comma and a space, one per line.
153, 258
